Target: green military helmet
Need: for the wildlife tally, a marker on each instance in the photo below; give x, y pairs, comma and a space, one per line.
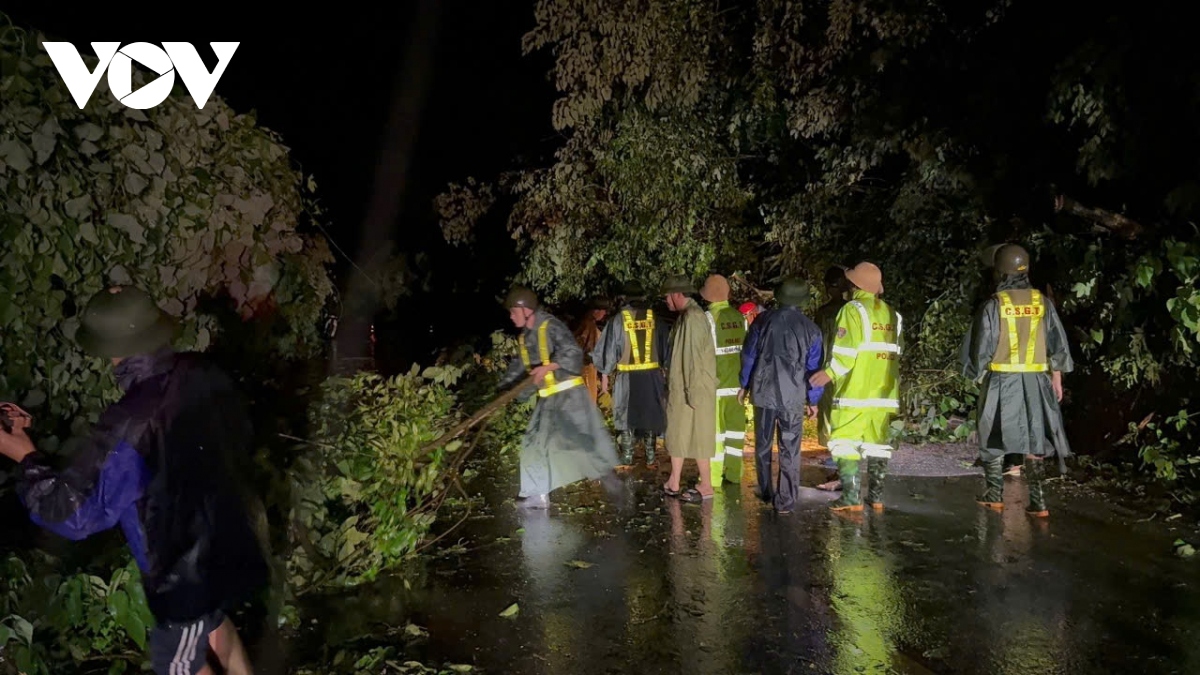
988, 255
1011, 259
633, 290
677, 283
521, 297
124, 321
792, 292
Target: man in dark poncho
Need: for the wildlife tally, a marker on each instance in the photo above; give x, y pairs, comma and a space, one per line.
1017, 350
634, 344
160, 464
566, 440
783, 349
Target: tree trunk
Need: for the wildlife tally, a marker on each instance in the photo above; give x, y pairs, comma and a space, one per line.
1105, 221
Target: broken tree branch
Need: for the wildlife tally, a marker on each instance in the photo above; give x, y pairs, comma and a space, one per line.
1104, 221
483, 413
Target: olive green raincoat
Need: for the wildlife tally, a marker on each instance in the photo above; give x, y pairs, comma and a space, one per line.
692, 387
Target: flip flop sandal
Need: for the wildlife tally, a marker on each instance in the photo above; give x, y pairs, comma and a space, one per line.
693, 496
669, 492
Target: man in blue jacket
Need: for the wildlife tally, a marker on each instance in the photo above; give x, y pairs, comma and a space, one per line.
158, 464
782, 349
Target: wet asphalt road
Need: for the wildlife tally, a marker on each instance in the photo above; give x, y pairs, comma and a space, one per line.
934, 584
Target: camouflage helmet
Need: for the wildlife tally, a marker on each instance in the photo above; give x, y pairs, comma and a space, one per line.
521, 297
1011, 259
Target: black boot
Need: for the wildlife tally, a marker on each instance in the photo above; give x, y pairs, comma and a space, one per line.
625, 441
876, 472
1035, 473
993, 479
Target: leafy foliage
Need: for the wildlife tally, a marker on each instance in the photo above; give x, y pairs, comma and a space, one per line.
56, 618
363, 496
187, 203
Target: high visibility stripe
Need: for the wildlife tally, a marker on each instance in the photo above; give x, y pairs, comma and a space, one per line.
867, 402
882, 453
560, 387
723, 393
838, 368
878, 347
631, 328
1019, 368
721, 351
866, 318
1010, 313
845, 449
712, 325
732, 451
735, 434
846, 351
551, 385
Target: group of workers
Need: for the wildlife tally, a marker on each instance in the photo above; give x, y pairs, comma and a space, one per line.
690, 376
158, 463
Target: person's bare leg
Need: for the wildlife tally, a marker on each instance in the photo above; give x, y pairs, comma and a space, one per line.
226, 644
676, 474
705, 486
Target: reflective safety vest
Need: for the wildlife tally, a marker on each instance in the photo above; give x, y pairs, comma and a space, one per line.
550, 385
728, 327
641, 357
1021, 347
866, 355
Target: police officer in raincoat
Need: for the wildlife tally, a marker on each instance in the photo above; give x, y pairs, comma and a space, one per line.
634, 345
566, 440
865, 372
729, 333
1017, 350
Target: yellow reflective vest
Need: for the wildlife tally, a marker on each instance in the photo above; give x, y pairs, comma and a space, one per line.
1021, 347
550, 385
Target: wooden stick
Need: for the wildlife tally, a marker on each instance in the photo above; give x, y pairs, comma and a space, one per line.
499, 402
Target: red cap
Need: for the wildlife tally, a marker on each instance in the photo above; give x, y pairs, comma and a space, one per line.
747, 307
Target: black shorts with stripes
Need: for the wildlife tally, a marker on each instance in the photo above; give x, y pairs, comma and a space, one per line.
182, 648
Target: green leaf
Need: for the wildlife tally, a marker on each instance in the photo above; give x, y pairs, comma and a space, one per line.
578, 564
43, 145
78, 207
511, 611
15, 154
88, 132
128, 224
1098, 336
135, 183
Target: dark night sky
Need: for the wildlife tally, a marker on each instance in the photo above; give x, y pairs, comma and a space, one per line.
324, 80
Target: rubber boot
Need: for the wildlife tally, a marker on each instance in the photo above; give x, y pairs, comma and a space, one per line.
626, 441
651, 444
876, 473
1035, 473
850, 500
993, 479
